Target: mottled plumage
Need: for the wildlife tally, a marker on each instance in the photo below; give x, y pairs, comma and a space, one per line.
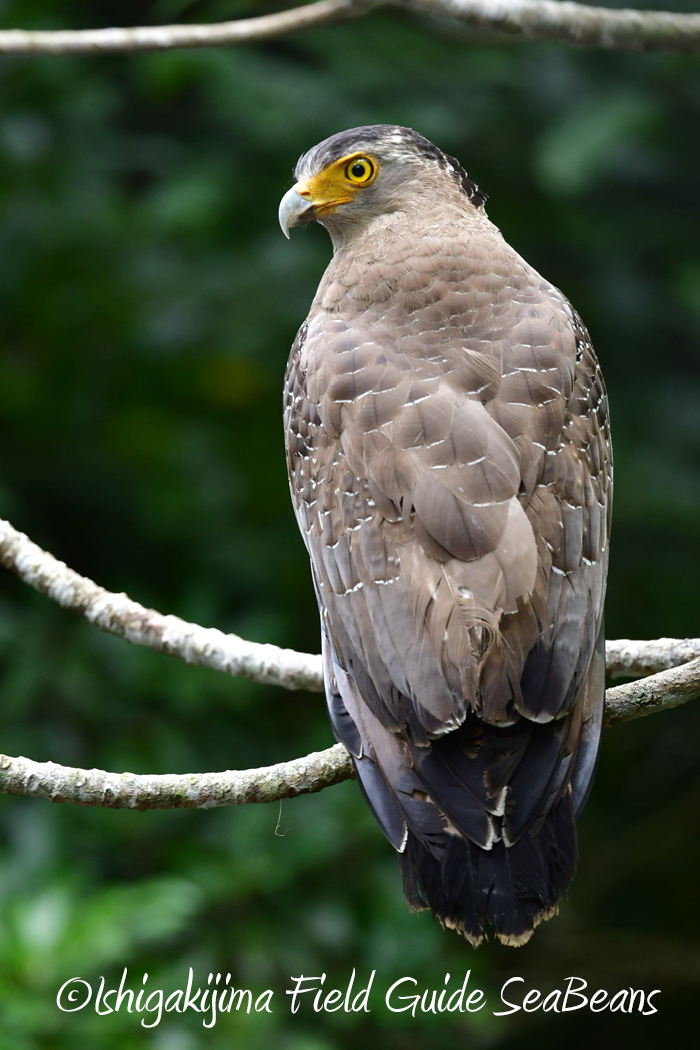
450, 466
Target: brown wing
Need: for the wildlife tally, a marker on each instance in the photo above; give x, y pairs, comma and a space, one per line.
449, 460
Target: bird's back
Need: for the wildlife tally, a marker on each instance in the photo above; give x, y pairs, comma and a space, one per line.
450, 466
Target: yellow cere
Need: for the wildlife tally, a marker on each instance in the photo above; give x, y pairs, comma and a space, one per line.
339, 182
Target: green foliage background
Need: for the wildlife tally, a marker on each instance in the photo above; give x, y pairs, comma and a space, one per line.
148, 302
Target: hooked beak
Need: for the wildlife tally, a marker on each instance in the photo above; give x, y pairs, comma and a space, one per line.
301, 205
295, 210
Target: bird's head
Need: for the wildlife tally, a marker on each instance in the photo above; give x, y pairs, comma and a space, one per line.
353, 177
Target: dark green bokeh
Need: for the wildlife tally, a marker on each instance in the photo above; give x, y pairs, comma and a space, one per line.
148, 302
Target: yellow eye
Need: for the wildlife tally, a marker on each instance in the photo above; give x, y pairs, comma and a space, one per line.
360, 170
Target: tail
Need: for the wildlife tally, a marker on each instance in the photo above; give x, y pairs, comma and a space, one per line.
511, 888
483, 817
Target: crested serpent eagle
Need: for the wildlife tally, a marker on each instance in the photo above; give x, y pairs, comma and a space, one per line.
450, 466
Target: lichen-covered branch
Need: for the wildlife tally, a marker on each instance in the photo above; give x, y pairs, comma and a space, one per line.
263, 663
95, 787
627, 659
118, 614
658, 692
165, 38
208, 647
571, 23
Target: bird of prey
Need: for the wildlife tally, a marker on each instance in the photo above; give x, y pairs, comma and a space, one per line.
450, 466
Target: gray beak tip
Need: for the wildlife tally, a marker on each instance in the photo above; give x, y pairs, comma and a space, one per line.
292, 208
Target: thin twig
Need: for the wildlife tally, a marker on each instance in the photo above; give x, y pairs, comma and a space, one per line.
570, 23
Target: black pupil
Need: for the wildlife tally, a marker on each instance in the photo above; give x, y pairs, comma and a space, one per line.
359, 170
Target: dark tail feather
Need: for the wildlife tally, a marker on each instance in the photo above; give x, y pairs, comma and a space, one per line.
511, 888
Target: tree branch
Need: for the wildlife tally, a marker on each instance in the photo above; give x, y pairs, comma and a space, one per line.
165, 38
658, 692
94, 787
118, 614
627, 659
571, 23
208, 647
